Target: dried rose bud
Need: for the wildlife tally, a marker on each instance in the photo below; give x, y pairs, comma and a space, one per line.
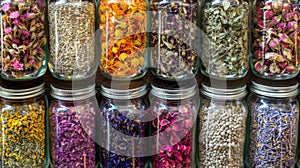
292, 26
268, 6
274, 68
271, 56
289, 16
260, 24
281, 27
287, 53
269, 14
258, 54
296, 15
280, 58
276, 19
290, 68
283, 65
286, 8
272, 32
258, 66
274, 44
284, 38
284, 45
277, 5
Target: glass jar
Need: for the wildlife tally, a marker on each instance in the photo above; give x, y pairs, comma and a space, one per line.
275, 39
225, 46
174, 110
174, 55
123, 39
222, 127
23, 48
72, 127
274, 125
72, 39
23, 135
123, 127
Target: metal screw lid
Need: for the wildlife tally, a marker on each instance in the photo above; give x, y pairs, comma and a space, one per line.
73, 94
274, 91
23, 93
224, 93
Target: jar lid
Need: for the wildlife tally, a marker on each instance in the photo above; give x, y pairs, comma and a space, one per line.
123, 90
22, 93
73, 94
173, 90
224, 93
274, 91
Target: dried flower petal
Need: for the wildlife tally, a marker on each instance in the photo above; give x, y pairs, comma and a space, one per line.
14, 15
8, 30
5, 7
17, 65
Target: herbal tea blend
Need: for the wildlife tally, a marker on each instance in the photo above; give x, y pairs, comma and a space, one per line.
72, 40
173, 30
275, 39
23, 37
225, 48
123, 39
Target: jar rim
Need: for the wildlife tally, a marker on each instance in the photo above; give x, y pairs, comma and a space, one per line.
73, 94
174, 94
17, 94
274, 91
224, 93
123, 94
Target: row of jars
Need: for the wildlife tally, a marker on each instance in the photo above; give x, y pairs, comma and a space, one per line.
161, 34
173, 127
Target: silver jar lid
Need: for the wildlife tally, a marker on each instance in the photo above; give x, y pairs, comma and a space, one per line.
73, 94
224, 93
275, 91
24, 93
123, 93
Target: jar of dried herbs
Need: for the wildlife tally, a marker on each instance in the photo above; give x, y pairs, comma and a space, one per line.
123, 125
23, 39
225, 47
72, 39
275, 39
23, 135
174, 42
222, 126
274, 113
174, 108
72, 126
123, 40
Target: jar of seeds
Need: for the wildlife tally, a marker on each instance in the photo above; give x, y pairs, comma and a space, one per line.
174, 107
275, 39
225, 47
72, 39
72, 126
273, 125
23, 40
174, 29
123, 40
222, 127
123, 125
23, 135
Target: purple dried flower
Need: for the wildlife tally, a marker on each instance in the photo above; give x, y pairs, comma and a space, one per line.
286, 8
32, 61
39, 50
17, 65
284, 38
282, 65
8, 30
16, 41
258, 54
271, 32
14, 15
281, 27
26, 42
25, 33
269, 14
289, 16
16, 22
290, 68
5, 7
276, 19
292, 25
258, 66
40, 3
24, 17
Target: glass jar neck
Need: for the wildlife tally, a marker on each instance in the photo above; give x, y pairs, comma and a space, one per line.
224, 93
123, 94
174, 94
274, 91
21, 94
73, 94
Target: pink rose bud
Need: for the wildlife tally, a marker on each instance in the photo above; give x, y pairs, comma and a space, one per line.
284, 38
258, 54
269, 14
292, 25
258, 66
268, 6
287, 53
277, 5
260, 24
286, 7
296, 15
274, 68
274, 44
276, 19
272, 31
289, 16
282, 65
281, 27
290, 68
284, 45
